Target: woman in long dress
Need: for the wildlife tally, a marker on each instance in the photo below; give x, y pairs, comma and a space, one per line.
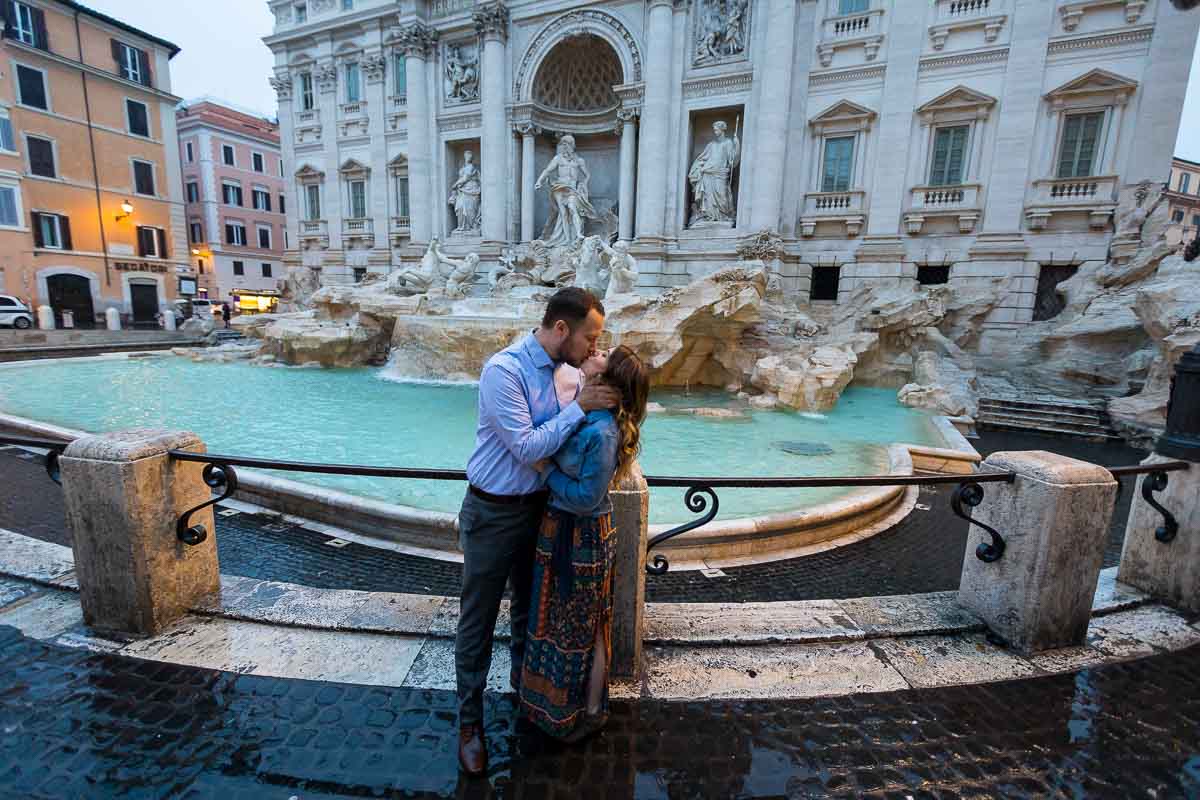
564, 679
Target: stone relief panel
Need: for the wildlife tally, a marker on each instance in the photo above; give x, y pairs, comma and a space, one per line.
722, 30
461, 80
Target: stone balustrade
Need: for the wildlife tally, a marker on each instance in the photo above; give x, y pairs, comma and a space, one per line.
1095, 196
447, 8
835, 203
963, 9
314, 230
852, 26
357, 109
960, 201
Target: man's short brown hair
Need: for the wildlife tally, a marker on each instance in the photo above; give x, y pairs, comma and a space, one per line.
572, 305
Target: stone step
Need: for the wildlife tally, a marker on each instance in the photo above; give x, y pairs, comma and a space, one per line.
1093, 417
1017, 424
1028, 419
1044, 401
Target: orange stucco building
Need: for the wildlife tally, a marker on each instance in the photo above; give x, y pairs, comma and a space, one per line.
91, 202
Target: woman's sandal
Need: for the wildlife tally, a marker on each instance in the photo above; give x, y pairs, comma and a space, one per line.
591, 725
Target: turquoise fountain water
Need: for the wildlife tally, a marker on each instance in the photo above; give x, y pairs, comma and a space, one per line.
353, 416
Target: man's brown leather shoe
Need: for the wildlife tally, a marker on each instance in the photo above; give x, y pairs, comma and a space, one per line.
472, 752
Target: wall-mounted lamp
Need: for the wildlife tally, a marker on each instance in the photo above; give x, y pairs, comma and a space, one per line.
126, 211
195, 252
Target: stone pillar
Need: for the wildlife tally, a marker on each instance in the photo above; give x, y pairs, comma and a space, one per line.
528, 176
628, 125
1054, 519
491, 22
112, 319
417, 40
330, 101
168, 317
630, 520
123, 496
771, 119
45, 316
1169, 571
656, 122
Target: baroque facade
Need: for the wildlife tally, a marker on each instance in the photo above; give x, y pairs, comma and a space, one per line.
883, 142
1183, 193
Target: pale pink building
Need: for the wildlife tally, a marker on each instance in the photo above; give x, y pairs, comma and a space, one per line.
235, 206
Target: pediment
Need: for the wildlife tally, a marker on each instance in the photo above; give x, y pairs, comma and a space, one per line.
353, 166
844, 112
301, 60
310, 173
1097, 81
398, 164
960, 98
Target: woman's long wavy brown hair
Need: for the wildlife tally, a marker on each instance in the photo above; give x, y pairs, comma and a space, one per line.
627, 374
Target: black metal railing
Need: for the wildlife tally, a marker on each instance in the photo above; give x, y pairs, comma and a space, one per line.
50, 460
220, 474
1156, 480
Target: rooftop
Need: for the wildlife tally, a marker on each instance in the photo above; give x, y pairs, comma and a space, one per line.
170, 46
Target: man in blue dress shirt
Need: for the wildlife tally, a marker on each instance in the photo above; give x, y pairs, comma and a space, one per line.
521, 422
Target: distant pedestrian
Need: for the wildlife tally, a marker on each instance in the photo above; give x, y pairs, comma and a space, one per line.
225, 314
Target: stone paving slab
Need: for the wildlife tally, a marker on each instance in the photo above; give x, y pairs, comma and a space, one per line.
731, 623
932, 661
767, 671
910, 615
1154, 626
1112, 595
434, 668
33, 559
44, 614
13, 590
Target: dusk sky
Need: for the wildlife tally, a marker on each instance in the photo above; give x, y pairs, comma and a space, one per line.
223, 54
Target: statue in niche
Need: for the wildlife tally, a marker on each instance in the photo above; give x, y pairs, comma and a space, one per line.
464, 197
570, 205
722, 29
462, 274
589, 272
462, 76
422, 279
711, 177
622, 267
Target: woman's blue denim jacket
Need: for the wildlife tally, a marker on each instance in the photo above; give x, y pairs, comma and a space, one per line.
584, 467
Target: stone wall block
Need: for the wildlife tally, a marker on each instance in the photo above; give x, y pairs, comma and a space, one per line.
630, 520
123, 496
1055, 521
1170, 571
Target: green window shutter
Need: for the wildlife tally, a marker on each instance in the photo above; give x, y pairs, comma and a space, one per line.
949, 156
1081, 137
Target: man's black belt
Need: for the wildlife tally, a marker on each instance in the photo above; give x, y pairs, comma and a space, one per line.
510, 499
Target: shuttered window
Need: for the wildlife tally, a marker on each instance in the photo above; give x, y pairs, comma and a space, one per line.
313, 195
31, 86
193, 192
399, 76
52, 231
41, 157
256, 160
235, 233
152, 242
264, 237
239, 268
1185, 180
949, 156
143, 178
196, 232
139, 118
353, 85
26, 24
358, 199
6, 133
8, 206
132, 64
839, 158
231, 193
1081, 138
306, 91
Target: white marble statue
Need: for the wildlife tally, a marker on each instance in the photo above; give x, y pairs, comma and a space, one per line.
422, 279
462, 76
462, 274
588, 268
711, 178
623, 271
464, 197
569, 203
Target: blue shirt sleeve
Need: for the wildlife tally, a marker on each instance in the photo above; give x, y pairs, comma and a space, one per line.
502, 403
582, 495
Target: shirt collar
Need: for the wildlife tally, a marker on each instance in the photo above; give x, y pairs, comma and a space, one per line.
538, 353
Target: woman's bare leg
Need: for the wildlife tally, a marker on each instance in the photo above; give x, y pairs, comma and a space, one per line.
599, 671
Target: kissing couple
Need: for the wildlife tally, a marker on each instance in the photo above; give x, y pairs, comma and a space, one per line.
559, 423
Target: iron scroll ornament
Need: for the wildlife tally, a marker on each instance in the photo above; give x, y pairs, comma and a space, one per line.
971, 494
696, 502
52, 466
1156, 482
221, 477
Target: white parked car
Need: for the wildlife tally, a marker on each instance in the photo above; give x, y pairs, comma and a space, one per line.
14, 313
201, 305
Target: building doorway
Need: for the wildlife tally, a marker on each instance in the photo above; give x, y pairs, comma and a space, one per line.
144, 300
73, 294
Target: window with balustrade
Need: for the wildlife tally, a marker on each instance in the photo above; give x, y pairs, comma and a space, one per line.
1079, 145
838, 164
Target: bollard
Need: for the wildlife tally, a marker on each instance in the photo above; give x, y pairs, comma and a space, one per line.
630, 521
1166, 570
123, 496
1055, 519
168, 318
45, 316
112, 319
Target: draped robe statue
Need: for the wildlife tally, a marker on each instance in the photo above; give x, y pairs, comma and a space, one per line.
711, 177
464, 196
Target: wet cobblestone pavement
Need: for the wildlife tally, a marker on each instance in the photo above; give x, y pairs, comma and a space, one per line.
921, 554
79, 724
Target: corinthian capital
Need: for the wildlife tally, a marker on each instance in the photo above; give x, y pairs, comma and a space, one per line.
417, 39
491, 20
282, 84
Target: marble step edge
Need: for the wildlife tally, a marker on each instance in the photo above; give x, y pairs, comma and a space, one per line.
1046, 429
1041, 414
1045, 400
1080, 428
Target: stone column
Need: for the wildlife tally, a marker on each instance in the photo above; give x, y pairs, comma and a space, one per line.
417, 40
771, 119
1169, 571
491, 22
628, 125
1054, 519
329, 102
656, 122
374, 71
528, 176
123, 496
630, 517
